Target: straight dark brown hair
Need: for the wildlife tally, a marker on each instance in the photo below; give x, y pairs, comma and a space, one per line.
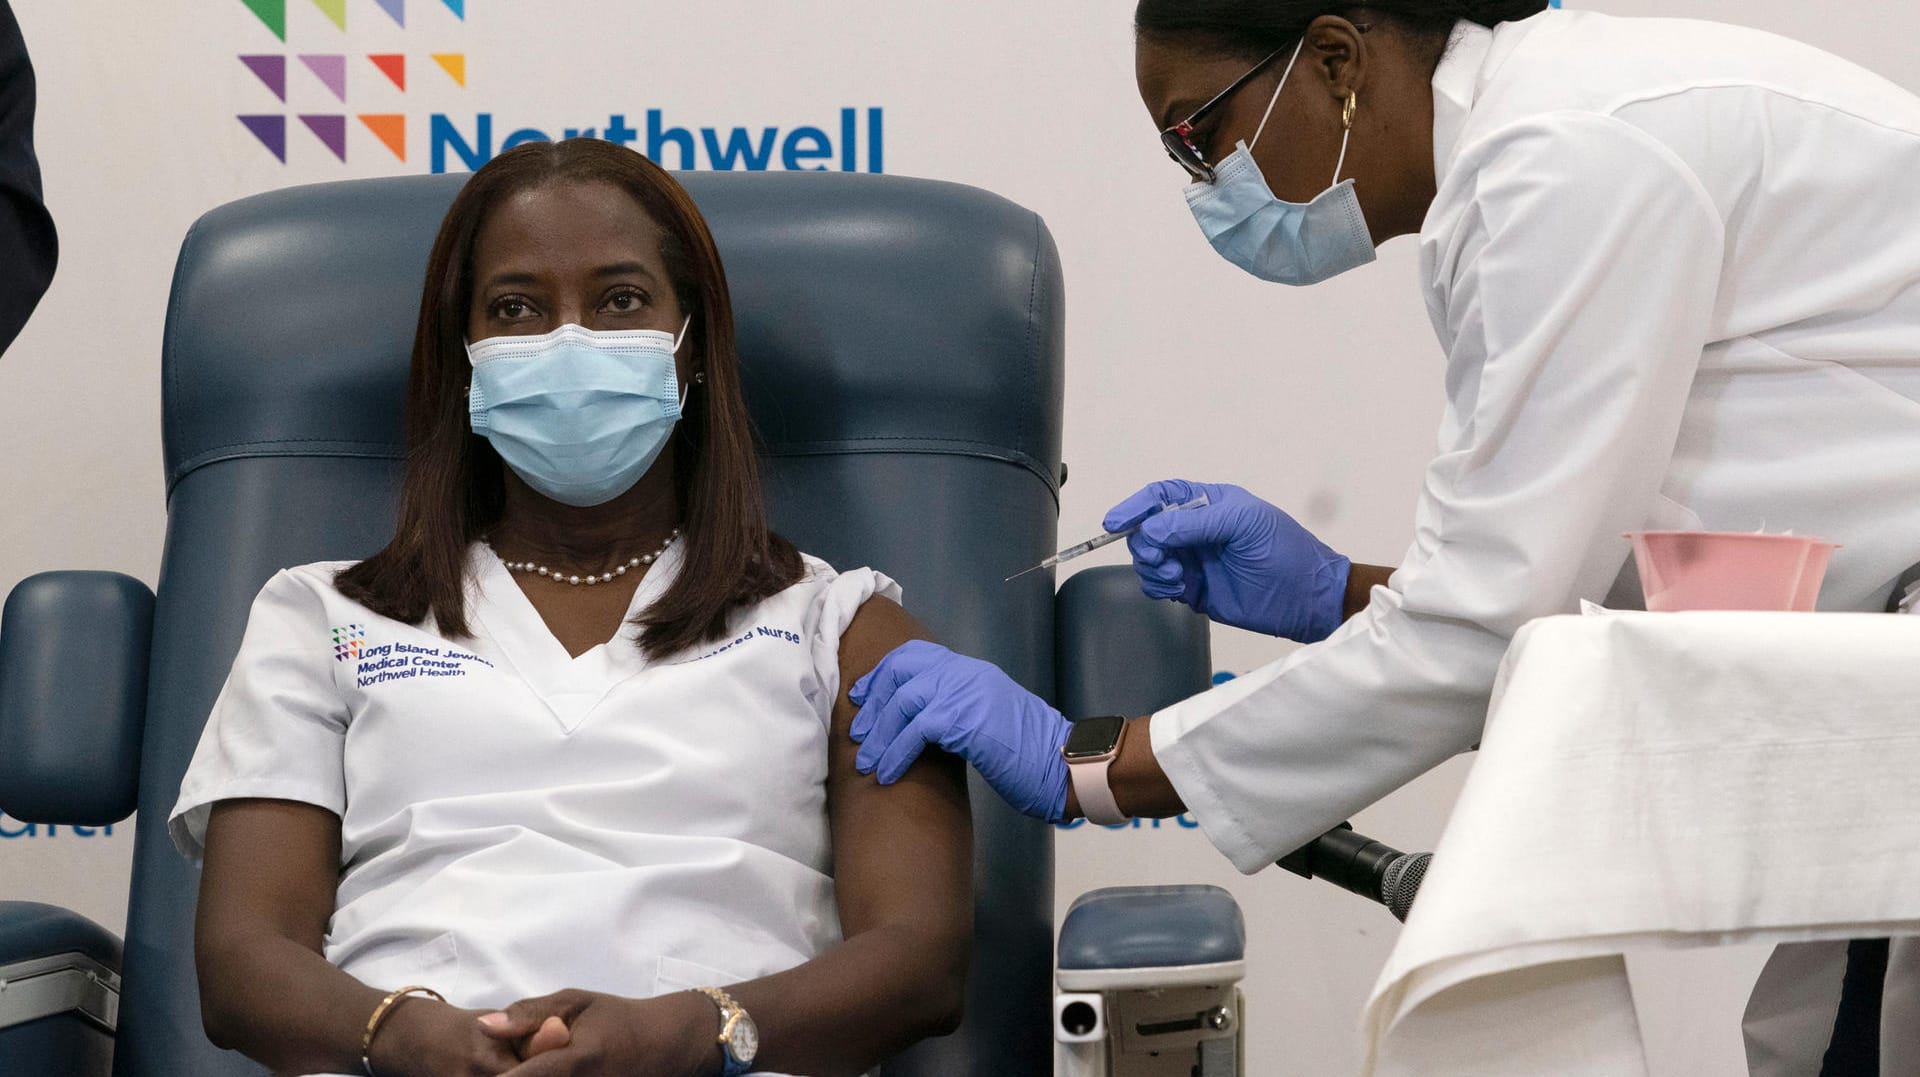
453, 492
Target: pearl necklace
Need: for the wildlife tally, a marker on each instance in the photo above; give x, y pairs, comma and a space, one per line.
590, 578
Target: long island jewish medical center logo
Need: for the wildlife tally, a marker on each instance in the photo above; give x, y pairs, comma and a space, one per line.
398, 661
335, 101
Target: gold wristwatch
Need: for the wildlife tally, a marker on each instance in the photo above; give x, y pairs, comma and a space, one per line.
739, 1037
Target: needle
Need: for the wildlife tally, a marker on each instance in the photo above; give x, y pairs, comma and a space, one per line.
1106, 539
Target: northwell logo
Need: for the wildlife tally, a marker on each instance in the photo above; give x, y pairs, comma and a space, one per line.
347, 641
331, 69
852, 141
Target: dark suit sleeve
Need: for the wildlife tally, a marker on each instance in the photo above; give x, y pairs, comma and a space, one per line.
28, 245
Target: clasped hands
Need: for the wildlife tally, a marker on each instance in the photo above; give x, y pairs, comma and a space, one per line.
565, 1034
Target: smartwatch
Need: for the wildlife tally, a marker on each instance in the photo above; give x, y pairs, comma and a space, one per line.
1091, 748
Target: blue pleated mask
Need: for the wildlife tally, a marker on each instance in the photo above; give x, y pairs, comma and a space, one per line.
1284, 242
578, 413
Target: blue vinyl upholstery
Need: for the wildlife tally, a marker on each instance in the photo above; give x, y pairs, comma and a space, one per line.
1141, 927
29, 929
1121, 653
73, 686
43, 943
902, 347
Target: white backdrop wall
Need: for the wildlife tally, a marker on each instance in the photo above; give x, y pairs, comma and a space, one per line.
1178, 365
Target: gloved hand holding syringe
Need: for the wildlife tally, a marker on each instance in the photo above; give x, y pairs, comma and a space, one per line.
1233, 557
1108, 538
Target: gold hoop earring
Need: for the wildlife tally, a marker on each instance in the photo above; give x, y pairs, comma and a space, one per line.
1353, 106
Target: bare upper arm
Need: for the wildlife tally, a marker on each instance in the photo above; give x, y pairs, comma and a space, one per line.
924, 814
271, 866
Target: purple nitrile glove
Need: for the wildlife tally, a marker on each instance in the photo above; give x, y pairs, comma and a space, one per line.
923, 694
1239, 560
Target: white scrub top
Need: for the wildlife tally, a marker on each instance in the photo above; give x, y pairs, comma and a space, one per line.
1675, 267
515, 821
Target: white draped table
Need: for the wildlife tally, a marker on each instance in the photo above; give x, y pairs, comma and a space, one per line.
1655, 780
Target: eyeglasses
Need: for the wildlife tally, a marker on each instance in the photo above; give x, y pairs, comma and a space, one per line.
1178, 139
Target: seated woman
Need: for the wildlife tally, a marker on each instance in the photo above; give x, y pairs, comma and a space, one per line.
574, 746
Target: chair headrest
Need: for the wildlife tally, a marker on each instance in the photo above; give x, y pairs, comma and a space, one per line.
861, 302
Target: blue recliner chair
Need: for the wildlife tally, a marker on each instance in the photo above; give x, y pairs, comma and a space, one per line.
902, 345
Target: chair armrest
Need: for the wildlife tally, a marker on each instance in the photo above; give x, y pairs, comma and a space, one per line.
53, 962
73, 696
1119, 652
1152, 937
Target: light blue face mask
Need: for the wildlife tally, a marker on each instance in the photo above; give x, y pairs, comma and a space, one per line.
580, 414
1284, 242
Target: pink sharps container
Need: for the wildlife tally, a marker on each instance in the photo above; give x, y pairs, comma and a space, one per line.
1710, 570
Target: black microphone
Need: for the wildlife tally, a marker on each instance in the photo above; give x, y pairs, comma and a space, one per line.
1359, 864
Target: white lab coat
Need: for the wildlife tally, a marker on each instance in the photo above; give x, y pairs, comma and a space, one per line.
515, 821
1675, 268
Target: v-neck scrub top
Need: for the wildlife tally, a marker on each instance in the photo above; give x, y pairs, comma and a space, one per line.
515, 821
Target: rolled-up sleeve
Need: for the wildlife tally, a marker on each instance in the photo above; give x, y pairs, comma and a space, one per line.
833, 608
1575, 282
278, 729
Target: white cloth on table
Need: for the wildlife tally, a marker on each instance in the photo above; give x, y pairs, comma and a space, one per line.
515, 820
1675, 269
1656, 780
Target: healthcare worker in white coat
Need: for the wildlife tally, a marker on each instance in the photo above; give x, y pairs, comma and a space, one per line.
1675, 270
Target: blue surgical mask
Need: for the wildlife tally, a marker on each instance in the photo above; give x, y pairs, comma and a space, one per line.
579, 413
1283, 242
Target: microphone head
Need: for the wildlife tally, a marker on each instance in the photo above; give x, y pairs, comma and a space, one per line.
1401, 883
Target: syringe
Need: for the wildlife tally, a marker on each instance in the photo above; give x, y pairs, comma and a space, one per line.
1106, 539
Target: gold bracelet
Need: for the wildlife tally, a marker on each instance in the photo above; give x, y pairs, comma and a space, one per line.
380, 1013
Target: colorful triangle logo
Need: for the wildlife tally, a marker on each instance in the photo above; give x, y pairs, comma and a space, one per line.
335, 10
390, 129
454, 64
271, 70
271, 12
395, 8
331, 70
271, 131
331, 131
393, 65
458, 7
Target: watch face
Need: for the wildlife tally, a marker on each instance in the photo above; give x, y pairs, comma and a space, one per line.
1092, 738
744, 1043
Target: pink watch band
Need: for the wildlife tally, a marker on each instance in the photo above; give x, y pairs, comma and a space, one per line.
1092, 789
